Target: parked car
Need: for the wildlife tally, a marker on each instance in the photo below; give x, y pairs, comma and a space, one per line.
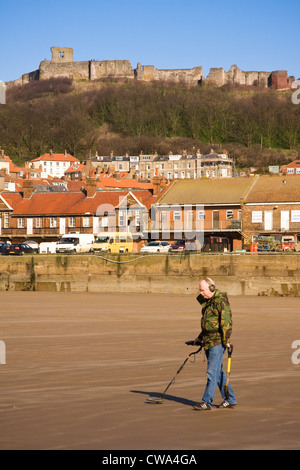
18, 249
3, 246
156, 247
184, 245
33, 244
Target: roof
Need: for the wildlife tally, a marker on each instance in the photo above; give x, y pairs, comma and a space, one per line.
294, 164
12, 167
56, 157
70, 203
275, 188
76, 167
208, 191
109, 182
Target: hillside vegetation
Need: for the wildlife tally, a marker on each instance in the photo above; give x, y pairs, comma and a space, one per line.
258, 127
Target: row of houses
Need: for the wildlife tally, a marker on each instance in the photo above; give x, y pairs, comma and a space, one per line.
238, 209
171, 166
143, 167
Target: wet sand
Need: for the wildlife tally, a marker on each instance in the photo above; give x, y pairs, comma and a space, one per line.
80, 366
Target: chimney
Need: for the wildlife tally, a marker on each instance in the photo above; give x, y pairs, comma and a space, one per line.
156, 181
91, 187
27, 188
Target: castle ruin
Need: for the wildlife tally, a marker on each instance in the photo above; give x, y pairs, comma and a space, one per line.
62, 64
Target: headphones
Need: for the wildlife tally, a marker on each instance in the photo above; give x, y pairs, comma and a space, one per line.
211, 284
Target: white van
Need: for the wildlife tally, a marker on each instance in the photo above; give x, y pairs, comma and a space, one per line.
75, 243
47, 247
113, 242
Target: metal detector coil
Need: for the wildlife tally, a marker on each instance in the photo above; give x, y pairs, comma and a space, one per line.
159, 400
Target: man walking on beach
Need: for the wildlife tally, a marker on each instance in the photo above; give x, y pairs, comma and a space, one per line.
216, 328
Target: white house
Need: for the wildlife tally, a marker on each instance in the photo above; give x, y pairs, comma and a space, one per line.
53, 164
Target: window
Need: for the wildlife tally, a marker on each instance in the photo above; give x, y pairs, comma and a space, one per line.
121, 219
86, 221
21, 222
53, 222
6, 220
72, 222
201, 215
39, 222
176, 215
229, 215
137, 218
290, 171
104, 221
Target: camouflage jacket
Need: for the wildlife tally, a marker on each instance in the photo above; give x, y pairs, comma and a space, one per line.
216, 321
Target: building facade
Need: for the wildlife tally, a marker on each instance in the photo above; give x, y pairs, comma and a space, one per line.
53, 164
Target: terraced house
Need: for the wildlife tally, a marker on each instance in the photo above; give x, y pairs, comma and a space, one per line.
227, 213
46, 216
211, 208
272, 207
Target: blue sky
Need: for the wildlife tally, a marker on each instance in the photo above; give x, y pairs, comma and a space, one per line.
169, 34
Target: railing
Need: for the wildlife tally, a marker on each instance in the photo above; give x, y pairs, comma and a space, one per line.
293, 227
233, 225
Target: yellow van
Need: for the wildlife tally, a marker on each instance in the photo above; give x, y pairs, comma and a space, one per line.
113, 242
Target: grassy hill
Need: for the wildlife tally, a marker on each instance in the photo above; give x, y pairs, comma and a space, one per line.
259, 127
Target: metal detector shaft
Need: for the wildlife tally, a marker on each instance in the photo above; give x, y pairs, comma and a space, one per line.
179, 370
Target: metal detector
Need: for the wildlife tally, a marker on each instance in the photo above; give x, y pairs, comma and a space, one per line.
226, 388
159, 400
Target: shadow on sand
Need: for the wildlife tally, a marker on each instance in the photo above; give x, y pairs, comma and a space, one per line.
183, 401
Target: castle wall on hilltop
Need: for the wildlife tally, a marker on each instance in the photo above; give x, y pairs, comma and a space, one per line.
62, 64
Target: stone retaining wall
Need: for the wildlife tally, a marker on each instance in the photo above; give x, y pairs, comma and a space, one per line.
238, 274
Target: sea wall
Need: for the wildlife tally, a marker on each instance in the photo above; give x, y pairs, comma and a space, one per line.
238, 274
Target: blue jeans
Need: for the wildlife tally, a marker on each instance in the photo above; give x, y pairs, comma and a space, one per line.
216, 376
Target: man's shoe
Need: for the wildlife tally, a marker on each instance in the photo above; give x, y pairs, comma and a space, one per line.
202, 406
226, 404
